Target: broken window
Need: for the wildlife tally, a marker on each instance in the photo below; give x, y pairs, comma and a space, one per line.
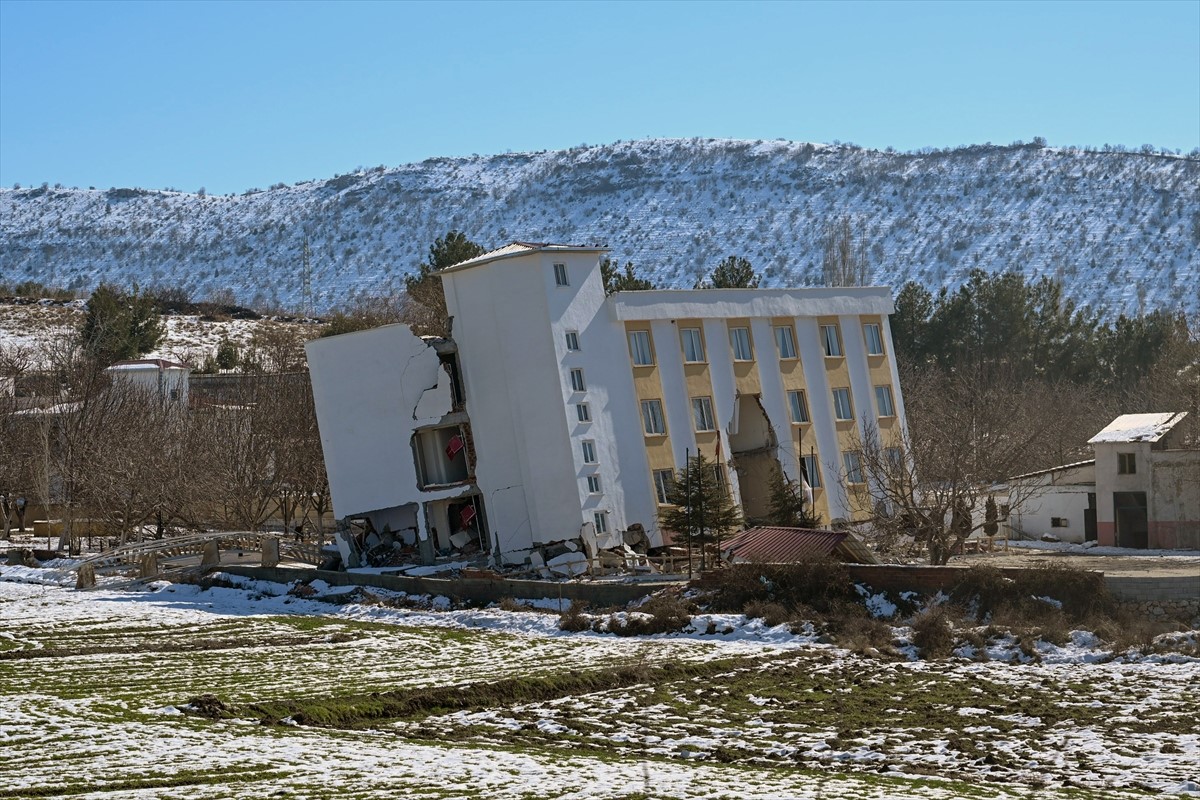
1126, 463
560, 275
693, 345
1058, 522
652, 418
785, 341
663, 480
702, 414
577, 382
842, 408
798, 406
874, 339
812, 471
831, 341
441, 456
639, 348
883, 399
739, 340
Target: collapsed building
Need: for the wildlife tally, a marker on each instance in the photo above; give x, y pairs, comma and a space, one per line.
558, 414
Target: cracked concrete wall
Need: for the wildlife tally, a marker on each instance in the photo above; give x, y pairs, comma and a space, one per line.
372, 390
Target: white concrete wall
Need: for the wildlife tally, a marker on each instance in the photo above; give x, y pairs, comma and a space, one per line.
372, 389
820, 406
1034, 515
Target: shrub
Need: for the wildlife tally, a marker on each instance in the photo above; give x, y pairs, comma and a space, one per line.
932, 633
1016, 599
818, 583
771, 614
573, 619
660, 614
850, 626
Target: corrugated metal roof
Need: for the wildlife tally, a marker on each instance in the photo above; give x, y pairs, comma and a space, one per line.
1138, 427
158, 363
1047, 471
785, 545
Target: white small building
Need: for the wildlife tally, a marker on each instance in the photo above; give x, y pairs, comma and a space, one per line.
557, 411
1142, 489
168, 380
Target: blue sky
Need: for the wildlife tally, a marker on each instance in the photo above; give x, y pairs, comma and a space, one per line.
230, 95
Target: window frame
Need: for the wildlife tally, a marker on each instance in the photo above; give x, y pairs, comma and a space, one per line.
1127, 463
578, 382
634, 352
560, 275
812, 467
703, 405
583, 412
663, 479
852, 463
881, 392
572, 338
736, 342
593, 484
656, 404
685, 337
600, 521
832, 346
790, 338
587, 449
876, 338
837, 406
798, 402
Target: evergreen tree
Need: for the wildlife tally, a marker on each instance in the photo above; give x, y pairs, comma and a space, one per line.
426, 311
616, 280
734, 272
227, 355
991, 517
701, 509
120, 326
788, 509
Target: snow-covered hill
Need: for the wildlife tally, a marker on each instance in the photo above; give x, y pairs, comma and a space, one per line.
1121, 229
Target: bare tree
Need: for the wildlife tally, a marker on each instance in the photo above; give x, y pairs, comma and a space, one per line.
844, 262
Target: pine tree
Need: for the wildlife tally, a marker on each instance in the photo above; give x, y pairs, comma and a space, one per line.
616, 280
701, 508
120, 326
788, 509
991, 517
427, 304
734, 272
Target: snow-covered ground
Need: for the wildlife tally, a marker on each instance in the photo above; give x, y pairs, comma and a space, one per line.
94, 682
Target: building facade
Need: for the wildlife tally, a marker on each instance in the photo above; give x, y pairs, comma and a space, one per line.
571, 410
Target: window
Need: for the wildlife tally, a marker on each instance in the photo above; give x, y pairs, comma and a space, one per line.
883, 399
1126, 463
739, 340
560, 275
583, 412
853, 462
798, 405
812, 471
601, 520
577, 383
702, 414
785, 341
718, 472
663, 480
874, 339
693, 345
652, 418
894, 457
831, 341
842, 409
1058, 522
593, 484
589, 452
572, 340
639, 348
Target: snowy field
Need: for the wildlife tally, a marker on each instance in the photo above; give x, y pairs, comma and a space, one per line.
94, 683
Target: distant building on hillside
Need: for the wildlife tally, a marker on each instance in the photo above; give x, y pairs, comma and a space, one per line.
557, 413
167, 379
